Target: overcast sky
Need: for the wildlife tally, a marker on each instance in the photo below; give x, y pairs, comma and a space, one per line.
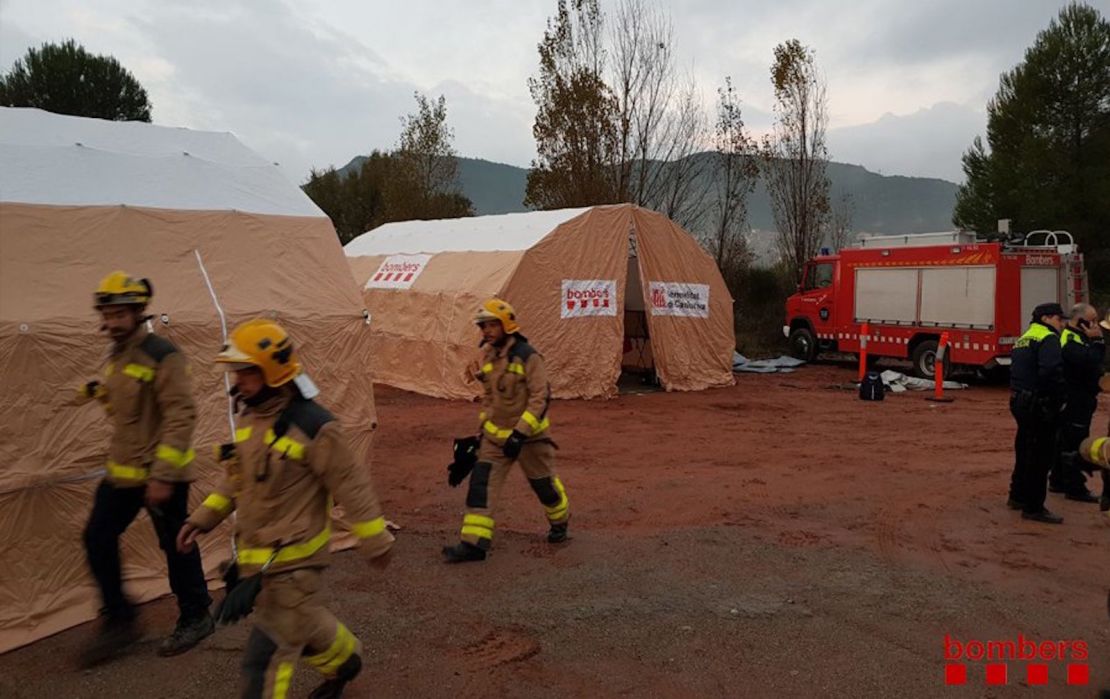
315, 82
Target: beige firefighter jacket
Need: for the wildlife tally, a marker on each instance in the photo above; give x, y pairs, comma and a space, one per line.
148, 398
516, 394
281, 488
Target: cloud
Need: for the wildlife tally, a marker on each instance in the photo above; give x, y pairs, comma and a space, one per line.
314, 82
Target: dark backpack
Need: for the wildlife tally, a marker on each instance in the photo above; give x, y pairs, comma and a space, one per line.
872, 387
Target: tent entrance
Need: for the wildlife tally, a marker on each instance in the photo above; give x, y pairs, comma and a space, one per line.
637, 361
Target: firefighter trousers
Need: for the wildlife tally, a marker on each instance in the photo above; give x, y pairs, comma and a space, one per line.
114, 509
291, 624
537, 460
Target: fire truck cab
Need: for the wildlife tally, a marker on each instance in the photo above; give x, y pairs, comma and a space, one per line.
902, 292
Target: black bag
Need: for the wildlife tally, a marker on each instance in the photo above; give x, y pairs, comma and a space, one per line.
466, 455
872, 387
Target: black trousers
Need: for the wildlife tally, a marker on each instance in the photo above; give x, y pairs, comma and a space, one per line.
1034, 449
1075, 426
114, 509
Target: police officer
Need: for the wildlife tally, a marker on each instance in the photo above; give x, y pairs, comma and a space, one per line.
1083, 351
1037, 392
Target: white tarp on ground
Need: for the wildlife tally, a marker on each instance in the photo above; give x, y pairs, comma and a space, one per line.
899, 383
780, 365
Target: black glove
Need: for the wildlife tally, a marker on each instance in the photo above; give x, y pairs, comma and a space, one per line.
238, 601
514, 444
466, 455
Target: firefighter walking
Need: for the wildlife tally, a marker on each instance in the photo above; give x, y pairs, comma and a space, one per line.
1083, 352
513, 427
146, 394
1036, 399
289, 460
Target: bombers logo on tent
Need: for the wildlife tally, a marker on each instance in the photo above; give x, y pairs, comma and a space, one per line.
670, 299
589, 297
398, 272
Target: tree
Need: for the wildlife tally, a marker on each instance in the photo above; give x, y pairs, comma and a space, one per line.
795, 155
425, 178
356, 201
576, 114
1047, 159
840, 222
417, 180
66, 79
735, 171
615, 121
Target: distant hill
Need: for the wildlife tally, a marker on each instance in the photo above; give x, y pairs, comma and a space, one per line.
883, 203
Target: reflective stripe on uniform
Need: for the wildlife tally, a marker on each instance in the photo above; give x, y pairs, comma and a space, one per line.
1035, 333
559, 511
218, 503
488, 368
1069, 335
282, 679
175, 457
285, 446
243, 434
365, 530
496, 431
140, 372
515, 368
124, 472
478, 525
1096, 449
287, 554
342, 648
535, 423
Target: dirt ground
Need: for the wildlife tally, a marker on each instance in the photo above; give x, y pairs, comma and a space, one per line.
777, 538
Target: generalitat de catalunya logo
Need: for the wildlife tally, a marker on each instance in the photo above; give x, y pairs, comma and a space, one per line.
1015, 660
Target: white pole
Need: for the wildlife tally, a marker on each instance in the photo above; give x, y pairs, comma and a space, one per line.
223, 329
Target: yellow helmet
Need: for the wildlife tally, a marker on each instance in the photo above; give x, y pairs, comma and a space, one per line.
264, 344
120, 288
496, 309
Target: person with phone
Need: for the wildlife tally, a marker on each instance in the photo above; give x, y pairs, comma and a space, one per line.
1083, 349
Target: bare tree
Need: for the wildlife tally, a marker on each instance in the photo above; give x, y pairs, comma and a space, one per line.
795, 155
616, 120
735, 171
840, 222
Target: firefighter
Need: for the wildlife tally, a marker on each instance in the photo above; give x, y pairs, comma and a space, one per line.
289, 459
1083, 351
513, 426
146, 393
1036, 399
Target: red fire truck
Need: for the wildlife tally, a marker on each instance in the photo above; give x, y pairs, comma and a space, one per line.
909, 289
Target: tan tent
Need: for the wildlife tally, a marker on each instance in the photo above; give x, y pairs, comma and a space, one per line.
595, 290
208, 221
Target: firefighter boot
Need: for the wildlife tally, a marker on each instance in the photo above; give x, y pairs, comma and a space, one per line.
333, 688
187, 634
463, 552
558, 533
115, 637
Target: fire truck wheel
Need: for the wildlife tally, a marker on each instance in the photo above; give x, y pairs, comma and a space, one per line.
924, 359
803, 345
